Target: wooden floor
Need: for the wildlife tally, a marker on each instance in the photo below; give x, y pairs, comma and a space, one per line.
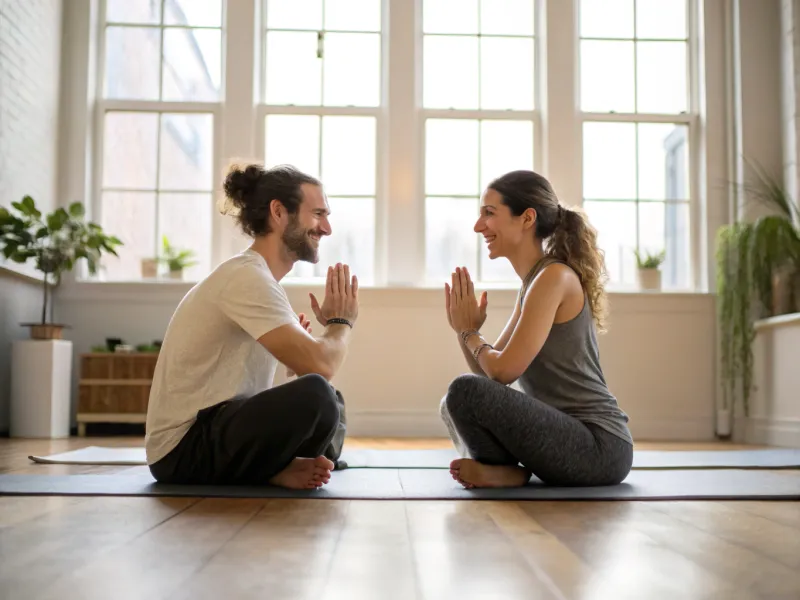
185, 548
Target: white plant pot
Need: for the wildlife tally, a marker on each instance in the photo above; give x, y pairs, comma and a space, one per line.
176, 274
723, 422
41, 387
650, 279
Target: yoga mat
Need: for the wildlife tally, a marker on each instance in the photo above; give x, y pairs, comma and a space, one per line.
429, 484
772, 458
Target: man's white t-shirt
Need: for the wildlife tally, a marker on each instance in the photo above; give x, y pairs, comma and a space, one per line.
210, 352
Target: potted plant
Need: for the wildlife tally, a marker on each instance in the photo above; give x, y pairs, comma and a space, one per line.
56, 243
758, 276
176, 259
649, 269
149, 268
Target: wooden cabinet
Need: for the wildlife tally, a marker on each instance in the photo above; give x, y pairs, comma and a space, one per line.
114, 388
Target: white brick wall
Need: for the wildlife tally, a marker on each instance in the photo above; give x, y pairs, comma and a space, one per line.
30, 55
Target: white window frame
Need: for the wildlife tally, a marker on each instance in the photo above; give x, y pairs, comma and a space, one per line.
158, 107
400, 200
690, 119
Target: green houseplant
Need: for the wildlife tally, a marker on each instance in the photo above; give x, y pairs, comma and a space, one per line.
56, 243
758, 276
649, 269
176, 259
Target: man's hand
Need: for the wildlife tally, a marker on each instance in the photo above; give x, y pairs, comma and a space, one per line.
341, 296
306, 324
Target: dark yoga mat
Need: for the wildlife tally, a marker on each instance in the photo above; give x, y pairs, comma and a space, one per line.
772, 458
431, 484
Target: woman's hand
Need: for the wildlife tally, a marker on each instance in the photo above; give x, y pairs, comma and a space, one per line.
463, 310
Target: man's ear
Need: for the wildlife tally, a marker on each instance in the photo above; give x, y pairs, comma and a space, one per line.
277, 211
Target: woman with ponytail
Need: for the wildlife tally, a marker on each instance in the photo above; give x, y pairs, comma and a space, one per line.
565, 427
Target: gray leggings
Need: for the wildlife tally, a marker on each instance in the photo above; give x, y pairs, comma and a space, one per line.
498, 425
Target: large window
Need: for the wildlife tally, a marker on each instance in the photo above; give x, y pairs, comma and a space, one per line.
406, 110
637, 126
160, 89
322, 90
478, 95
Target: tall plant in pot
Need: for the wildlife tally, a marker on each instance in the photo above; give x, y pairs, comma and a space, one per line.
56, 242
758, 276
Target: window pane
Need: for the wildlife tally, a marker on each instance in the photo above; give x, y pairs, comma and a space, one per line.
294, 72
661, 77
606, 18
616, 236
609, 160
497, 270
133, 11
451, 157
450, 16
197, 13
671, 220
348, 155
505, 146
663, 161
507, 17
192, 65
450, 73
187, 152
450, 240
293, 140
131, 216
661, 19
186, 221
131, 63
507, 73
353, 15
130, 150
607, 76
294, 14
352, 69
352, 240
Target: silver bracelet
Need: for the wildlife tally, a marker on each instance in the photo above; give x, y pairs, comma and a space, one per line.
477, 352
466, 334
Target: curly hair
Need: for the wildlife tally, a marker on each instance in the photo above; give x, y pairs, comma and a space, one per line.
567, 234
249, 190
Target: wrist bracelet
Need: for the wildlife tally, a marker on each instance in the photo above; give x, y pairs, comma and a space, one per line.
466, 334
340, 321
477, 352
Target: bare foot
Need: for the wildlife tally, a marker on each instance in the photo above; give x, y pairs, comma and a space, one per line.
304, 474
472, 474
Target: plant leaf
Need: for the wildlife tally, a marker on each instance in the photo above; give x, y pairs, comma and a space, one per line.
76, 209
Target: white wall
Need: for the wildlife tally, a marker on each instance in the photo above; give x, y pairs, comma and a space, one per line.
658, 354
30, 51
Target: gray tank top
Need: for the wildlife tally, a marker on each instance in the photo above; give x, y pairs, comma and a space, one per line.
566, 374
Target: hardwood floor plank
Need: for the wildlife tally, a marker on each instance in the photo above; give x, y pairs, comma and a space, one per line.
748, 570
37, 552
17, 509
461, 553
373, 555
626, 561
783, 513
554, 564
285, 551
157, 563
764, 536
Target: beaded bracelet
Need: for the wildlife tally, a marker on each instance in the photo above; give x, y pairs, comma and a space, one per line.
477, 352
465, 335
340, 321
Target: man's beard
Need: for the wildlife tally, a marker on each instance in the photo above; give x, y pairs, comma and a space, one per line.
298, 243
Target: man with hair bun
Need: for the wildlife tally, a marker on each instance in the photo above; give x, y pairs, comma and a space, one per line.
214, 415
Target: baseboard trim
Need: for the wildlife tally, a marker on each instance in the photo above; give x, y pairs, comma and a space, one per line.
772, 432
669, 429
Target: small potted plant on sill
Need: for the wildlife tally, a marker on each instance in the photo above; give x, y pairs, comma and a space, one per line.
176, 259
56, 243
649, 269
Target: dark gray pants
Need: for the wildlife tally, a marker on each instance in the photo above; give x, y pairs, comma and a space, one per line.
249, 440
498, 425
